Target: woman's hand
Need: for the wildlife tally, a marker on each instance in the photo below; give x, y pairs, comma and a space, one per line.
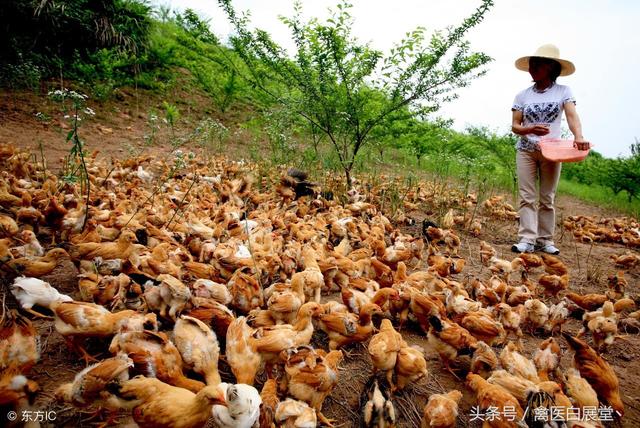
581, 144
539, 130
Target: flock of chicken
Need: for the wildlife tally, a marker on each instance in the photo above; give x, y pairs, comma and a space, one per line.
171, 276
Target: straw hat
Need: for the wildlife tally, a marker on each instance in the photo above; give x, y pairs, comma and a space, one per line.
547, 51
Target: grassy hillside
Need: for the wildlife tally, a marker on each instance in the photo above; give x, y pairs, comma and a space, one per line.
161, 53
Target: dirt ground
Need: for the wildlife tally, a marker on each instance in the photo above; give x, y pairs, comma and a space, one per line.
589, 268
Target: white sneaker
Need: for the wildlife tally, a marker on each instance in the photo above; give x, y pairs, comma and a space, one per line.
548, 248
523, 247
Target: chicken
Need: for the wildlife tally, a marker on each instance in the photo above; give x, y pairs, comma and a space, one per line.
76, 320
346, 328
8, 225
284, 303
154, 355
484, 328
554, 284
530, 261
241, 409
516, 385
33, 291
123, 248
589, 302
19, 347
198, 346
603, 325
175, 295
378, 411
510, 318
580, 392
553, 265
597, 372
380, 298
292, 413
16, 392
89, 385
270, 341
547, 358
617, 285
496, 397
36, 266
241, 356
558, 314
411, 366
484, 360
627, 260
441, 411
450, 340
160, 405
246, 292
515, 363
212, 313
313, 379
269, 404
536, 314
311, 277
383, 349
31, 247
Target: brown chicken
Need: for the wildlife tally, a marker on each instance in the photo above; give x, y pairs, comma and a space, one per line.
313, 379
484, 360
123, 248
311, 277
589, 302
484, 327
246, 292
76, 320
411, 366
89, 385
554, 284
292, 413
597, 372
198, 346
578, 389
154, 355
441, 411
346, 328
547, 358
270, 401
36, 266
494, 396
450, 340
159, 405
553, 265
383, 349
19, 343
517, 364
242, 358
270, 341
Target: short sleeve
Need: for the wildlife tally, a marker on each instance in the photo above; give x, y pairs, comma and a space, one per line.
567, 96
518, 103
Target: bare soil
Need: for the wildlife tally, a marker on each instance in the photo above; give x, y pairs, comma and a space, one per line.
126, 120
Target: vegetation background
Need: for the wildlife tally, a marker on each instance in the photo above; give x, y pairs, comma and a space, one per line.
335, 104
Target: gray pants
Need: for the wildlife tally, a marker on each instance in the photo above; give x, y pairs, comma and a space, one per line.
537, 223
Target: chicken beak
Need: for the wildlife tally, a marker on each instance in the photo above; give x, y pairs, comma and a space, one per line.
221, 401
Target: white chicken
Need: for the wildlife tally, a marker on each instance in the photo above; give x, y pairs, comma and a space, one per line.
33, 291
243, 406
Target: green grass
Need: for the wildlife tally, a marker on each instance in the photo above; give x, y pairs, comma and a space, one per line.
600, 195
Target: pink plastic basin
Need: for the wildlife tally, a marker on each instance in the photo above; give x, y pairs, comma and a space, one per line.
562, 150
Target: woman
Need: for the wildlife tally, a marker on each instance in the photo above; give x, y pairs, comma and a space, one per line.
537, 113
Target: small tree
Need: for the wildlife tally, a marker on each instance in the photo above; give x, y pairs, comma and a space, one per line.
345, 88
